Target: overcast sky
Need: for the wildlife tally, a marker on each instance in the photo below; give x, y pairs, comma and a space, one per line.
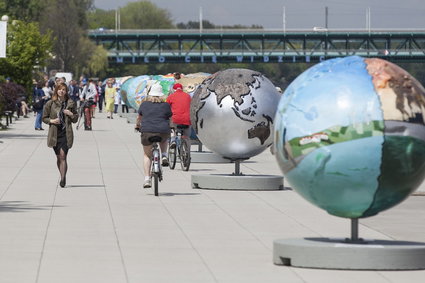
299, 13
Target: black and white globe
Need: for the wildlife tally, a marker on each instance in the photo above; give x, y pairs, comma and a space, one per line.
232, 112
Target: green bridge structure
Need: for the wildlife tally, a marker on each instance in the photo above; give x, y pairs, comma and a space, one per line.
257, 46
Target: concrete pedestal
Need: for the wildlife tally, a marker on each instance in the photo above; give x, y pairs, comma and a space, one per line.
237, 182
207, 157
337, 254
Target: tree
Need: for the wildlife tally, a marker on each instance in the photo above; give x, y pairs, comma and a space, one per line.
96, 61
99, 18
195, 25
26, 48
24, 10
72, 50
9, 93
145, 15
209, 25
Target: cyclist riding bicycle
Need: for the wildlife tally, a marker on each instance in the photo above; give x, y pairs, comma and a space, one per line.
180, 106
153, 120
88, 100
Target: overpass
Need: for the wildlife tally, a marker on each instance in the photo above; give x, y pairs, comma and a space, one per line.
257, 46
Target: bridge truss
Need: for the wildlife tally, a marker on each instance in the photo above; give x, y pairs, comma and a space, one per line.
256, 46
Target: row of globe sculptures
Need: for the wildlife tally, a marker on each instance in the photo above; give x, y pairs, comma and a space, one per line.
133, 89
348, 133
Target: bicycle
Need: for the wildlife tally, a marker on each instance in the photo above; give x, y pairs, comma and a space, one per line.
84, 114
179, 145
156, 169
80, 112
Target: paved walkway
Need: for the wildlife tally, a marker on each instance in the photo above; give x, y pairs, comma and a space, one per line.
103, 227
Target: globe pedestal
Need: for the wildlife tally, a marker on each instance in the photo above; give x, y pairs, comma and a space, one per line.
353, 253
237, 181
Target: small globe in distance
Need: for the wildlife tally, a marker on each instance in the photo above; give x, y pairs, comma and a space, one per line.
350, 135
232, 112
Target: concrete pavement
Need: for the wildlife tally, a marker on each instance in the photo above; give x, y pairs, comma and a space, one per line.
103, 227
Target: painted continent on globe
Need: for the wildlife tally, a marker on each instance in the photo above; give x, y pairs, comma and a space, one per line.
350, 135
232, 113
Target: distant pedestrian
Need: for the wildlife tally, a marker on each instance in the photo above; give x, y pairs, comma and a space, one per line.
101, 93
117, 102
110, 93
59, 113
88, 97
40, 99
124, 107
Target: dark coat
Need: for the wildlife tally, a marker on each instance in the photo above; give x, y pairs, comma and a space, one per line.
51, 110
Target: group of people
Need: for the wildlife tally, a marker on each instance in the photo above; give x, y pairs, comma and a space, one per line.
158, 116
87, 94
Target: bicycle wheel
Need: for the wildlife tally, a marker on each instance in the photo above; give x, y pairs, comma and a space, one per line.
184, 155
172, 155
155, 183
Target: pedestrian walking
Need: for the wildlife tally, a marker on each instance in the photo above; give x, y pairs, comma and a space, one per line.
40, 99
59, 113
110, 94
101, 92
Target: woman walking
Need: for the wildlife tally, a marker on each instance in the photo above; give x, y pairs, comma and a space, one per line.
59, 113
110, 93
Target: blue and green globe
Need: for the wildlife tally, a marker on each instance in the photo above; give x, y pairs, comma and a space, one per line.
350, 135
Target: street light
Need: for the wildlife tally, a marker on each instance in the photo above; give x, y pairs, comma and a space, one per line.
3, 33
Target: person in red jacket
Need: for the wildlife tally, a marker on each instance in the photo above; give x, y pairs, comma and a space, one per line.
180, 107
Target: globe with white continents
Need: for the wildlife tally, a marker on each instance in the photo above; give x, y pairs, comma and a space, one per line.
232, 113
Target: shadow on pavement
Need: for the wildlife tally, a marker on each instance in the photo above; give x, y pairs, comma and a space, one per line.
21, 206
177, 194
84, 186
22, 136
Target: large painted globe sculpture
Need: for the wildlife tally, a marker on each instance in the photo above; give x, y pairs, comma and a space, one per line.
232, 112
349, 135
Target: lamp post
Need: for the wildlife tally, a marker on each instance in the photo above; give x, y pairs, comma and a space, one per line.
3, 35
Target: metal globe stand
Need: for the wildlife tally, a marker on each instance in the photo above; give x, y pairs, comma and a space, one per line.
237, 181
351, 253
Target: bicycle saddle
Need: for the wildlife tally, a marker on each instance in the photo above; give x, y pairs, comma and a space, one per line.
182, 126
155, 139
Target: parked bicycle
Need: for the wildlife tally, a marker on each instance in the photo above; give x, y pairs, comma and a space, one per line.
179, 146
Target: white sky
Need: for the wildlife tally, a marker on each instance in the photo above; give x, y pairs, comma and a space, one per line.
299, 13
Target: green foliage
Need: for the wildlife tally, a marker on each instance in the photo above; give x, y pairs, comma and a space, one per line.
209, 25
145, 15
24, 10
99, 18
195, 25
26, 48
97, 62
72, 51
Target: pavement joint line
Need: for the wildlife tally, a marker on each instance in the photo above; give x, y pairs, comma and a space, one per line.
189, 241
40, 261
110, 212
